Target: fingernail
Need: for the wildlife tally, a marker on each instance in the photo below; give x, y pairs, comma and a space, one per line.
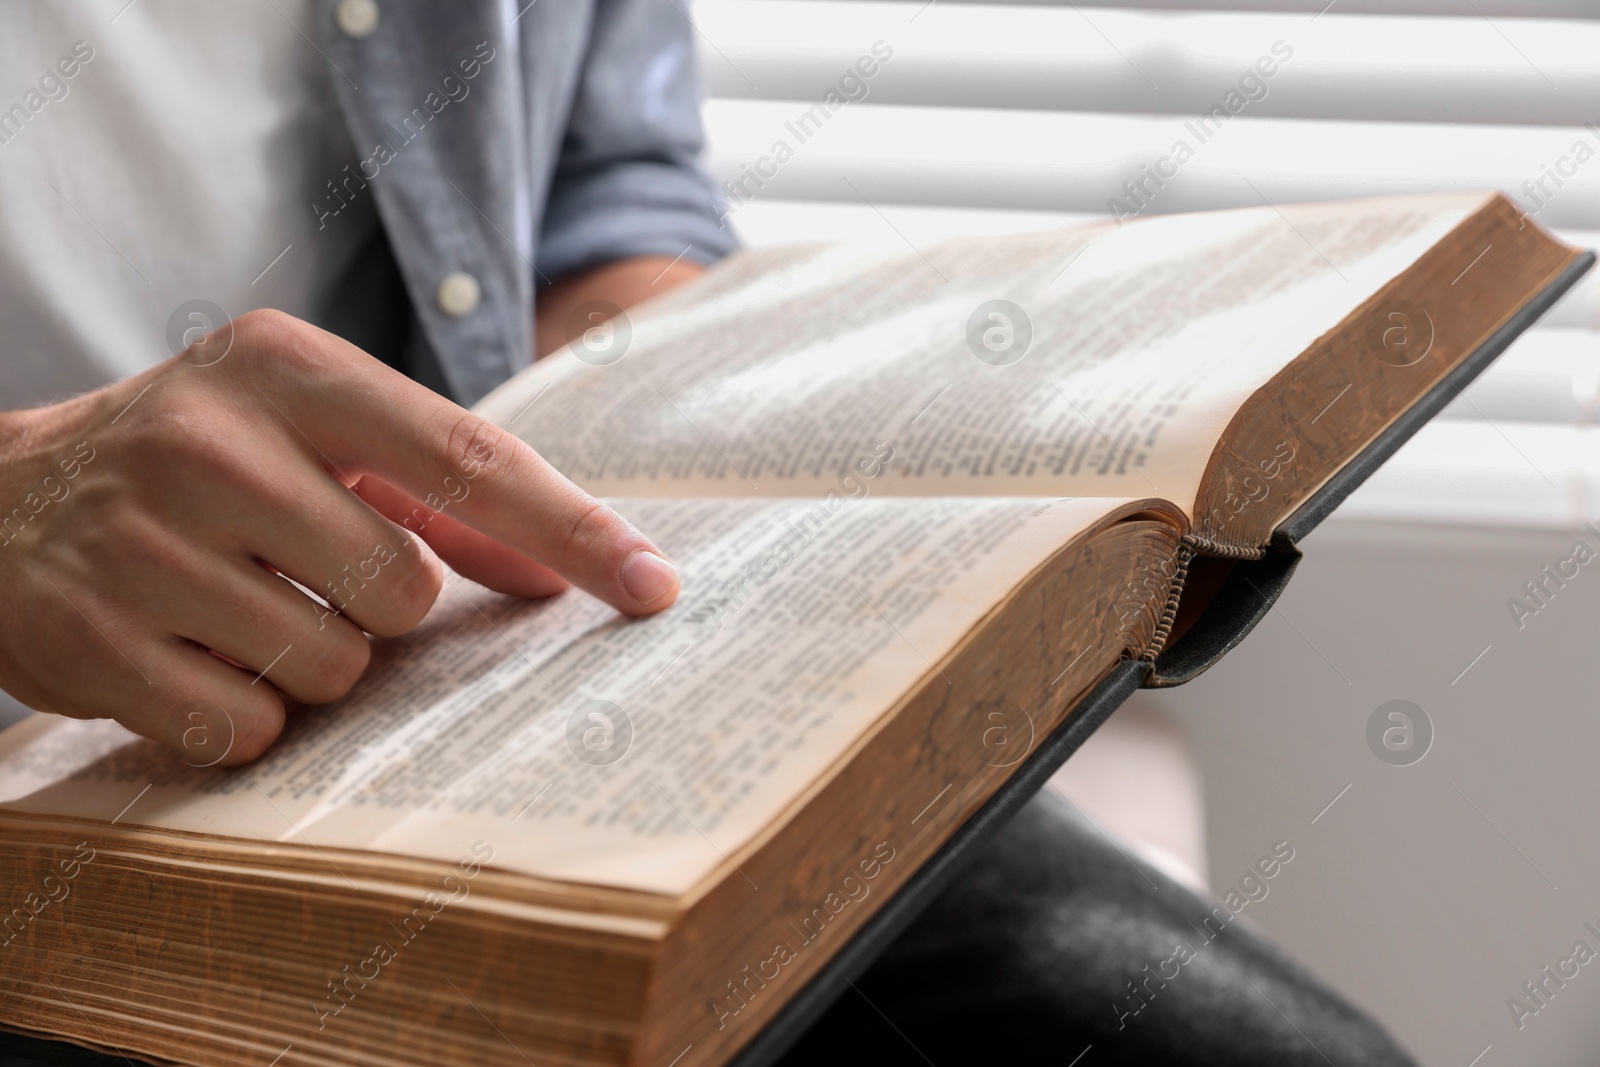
647, 577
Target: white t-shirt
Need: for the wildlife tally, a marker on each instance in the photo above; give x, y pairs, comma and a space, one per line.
179, 161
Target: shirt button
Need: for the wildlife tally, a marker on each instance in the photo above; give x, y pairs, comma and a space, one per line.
357, 18
458, 294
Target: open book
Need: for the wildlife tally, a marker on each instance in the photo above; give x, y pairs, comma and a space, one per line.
923, 502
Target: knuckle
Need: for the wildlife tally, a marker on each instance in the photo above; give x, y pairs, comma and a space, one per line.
473, 446
264, 319
266, 327
592, 528
411, 593
277, 345
388, 591
337, 665
254, 721
423, 582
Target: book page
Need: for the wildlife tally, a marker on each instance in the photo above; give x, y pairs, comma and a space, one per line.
1099, 360
589, 747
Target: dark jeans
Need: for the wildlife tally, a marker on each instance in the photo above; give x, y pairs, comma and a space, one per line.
1029, 956
1033, 956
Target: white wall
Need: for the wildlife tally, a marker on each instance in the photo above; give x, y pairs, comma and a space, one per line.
1428, 893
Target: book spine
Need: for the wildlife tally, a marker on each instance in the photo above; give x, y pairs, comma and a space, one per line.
1169, 614
1205, 546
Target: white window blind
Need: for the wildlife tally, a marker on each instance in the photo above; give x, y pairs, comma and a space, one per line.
1008, 115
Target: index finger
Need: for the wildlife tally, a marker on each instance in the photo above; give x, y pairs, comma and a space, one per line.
370, 419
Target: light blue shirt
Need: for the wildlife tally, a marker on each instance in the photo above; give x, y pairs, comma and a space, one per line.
515, 142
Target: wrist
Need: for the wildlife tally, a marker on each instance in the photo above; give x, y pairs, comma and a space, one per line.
623, 283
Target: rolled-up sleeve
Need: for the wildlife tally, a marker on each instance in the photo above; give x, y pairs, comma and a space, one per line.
629, 182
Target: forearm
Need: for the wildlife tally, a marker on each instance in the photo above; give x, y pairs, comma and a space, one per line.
624, 283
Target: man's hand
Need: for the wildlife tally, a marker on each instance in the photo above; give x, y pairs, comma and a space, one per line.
147, 529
